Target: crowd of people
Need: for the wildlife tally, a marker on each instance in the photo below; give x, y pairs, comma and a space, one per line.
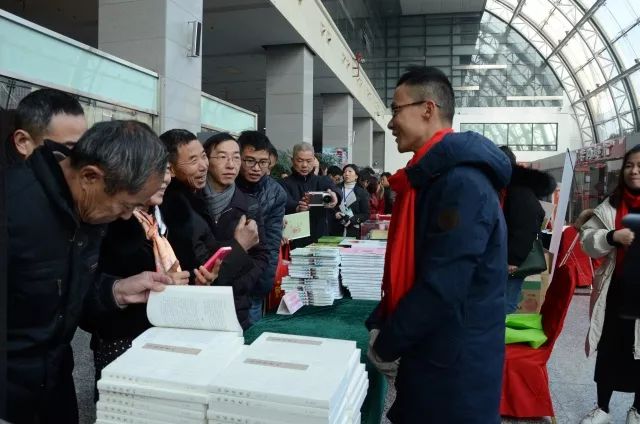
127, 212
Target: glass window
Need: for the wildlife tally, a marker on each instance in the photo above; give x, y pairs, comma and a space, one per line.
520, 134
479, 128
545, 134
576, 52
628, 48
601, 106
635, 83
557, 27
608, 130
537, 11
498, 133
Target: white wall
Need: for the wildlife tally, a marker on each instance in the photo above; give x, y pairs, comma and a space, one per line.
568, 133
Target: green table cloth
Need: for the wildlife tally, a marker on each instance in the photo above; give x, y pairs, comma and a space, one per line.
343, 320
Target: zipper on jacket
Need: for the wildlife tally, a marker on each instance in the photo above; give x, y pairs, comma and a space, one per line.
222, 213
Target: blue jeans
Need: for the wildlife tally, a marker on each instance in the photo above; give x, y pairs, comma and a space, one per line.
512, 294
255, 311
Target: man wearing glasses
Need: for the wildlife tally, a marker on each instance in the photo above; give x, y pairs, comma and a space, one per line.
193, 232
442, 310
254, 179
227, 205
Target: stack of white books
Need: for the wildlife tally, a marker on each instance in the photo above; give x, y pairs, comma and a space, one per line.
314, 273
283, 379
163, 377
361, 269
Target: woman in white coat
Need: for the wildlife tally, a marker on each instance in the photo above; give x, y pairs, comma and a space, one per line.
615, 337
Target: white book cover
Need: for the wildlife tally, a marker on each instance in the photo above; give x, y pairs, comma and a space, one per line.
146, 414
131, 400
307, 371
112, 402
167, 365
120, 386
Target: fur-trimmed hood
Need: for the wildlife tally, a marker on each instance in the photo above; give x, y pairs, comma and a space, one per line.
541, 183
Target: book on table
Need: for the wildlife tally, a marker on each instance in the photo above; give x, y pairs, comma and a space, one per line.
193, 367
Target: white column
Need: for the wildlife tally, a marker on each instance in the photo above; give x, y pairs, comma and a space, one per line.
377, 155
337, 122
156, 34
363, 141
289, 95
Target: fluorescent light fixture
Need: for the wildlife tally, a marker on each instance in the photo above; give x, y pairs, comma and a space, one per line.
481, 67
467, 88
532, 98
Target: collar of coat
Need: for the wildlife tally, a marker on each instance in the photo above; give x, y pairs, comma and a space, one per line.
48, 172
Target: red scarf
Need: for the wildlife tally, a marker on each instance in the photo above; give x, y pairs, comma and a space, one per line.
399, 264
628, 201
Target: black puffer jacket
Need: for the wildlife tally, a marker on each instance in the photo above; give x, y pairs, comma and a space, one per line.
522, 211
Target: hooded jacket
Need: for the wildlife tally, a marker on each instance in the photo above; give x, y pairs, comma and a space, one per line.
522, 211
273, 199
449, 327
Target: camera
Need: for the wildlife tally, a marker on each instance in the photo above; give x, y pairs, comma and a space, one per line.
317, 198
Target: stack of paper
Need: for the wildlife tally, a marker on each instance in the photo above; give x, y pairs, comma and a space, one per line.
283, 379
361, 269
164, 376
314, 273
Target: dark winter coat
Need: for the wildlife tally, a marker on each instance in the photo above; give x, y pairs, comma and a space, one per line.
448, 329
245, 278
522, 211
125, 251
52, 262
296, 186
191, 234
360, 209
273, 200
388, 200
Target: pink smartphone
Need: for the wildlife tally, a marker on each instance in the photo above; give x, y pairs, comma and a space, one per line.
219, 255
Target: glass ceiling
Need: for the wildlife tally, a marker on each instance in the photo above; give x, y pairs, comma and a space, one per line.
594, 48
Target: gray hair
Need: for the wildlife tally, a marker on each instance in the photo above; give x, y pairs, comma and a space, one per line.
302, 147
128, 152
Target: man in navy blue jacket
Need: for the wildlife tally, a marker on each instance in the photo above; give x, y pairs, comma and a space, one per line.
447, 327
254, 179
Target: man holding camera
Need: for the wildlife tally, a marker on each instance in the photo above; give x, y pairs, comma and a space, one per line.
303, 188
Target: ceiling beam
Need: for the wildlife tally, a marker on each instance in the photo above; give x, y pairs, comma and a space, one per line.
612, 81
516, 11
588, 14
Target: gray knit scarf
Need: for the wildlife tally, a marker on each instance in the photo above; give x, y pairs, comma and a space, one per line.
218, 202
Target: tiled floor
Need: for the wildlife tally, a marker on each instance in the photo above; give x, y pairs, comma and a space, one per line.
570, 372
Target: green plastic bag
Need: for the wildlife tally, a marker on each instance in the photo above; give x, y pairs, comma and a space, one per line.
525, 328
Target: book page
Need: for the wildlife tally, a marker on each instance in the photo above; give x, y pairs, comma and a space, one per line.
195, 307
297, 226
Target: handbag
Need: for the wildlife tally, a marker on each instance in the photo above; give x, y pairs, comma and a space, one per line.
535, 263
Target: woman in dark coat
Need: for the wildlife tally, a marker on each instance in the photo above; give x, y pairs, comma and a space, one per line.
353, 208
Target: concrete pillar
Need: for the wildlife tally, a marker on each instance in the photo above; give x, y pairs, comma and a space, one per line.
289, 92
337, 123
377, 155
363, 141
156, 34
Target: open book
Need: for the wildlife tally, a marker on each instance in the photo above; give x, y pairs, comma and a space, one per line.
196, 335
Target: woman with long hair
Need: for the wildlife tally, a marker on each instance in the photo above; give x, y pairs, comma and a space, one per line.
376, 198
613, 332
353, 209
